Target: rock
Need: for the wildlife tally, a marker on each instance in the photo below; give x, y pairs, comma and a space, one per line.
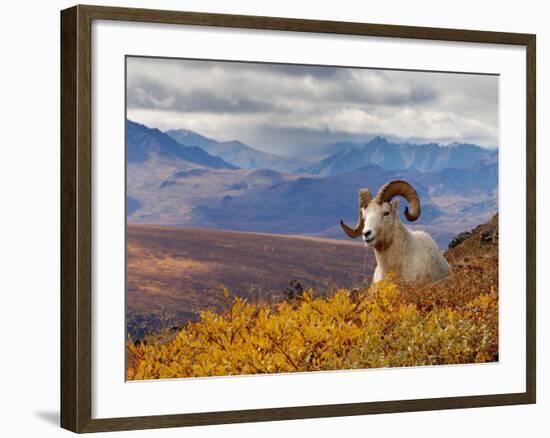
460, 238
488, 237
294, 291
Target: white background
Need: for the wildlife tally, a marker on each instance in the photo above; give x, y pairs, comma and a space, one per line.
29, 239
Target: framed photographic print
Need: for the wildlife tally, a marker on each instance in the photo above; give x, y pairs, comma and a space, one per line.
269, 218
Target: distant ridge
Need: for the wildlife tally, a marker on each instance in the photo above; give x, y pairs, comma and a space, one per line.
238, 153
142, 143
428, 157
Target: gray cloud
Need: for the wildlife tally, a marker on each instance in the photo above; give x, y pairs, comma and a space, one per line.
146, 93
292, 108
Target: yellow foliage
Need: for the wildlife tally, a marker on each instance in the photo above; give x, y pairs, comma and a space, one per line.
381, 326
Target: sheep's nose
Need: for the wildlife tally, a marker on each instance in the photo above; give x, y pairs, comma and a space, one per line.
367, 234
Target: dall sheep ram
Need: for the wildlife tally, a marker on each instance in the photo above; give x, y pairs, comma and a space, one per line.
411, 255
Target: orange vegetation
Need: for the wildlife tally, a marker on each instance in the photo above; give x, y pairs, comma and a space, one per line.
388, 324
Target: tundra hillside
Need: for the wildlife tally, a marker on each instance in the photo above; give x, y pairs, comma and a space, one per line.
389, 324
175, 273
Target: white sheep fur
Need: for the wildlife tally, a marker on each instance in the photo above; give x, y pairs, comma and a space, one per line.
411, 255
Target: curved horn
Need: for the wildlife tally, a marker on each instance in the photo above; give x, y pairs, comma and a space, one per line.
364, 198
404, 189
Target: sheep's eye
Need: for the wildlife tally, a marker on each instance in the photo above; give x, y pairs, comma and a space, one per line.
386, 213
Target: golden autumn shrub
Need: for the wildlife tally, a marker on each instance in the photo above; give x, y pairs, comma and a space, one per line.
386, 325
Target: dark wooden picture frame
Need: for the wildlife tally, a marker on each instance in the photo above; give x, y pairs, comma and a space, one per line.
76, 218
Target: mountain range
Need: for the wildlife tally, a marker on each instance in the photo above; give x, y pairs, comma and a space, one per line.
310, 205
143, 142
183, 178
429, 157
239, 154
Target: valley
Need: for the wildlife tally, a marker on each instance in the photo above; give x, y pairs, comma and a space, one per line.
174, 273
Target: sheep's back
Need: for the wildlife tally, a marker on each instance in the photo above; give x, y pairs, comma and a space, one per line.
425, 259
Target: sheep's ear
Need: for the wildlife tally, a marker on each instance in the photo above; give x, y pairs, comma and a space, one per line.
395, 205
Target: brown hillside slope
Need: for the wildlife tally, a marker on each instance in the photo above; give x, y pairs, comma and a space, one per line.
480, 241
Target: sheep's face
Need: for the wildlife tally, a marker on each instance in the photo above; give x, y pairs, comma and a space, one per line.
379, 221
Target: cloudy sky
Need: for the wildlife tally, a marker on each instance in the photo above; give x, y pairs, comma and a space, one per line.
290, 109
